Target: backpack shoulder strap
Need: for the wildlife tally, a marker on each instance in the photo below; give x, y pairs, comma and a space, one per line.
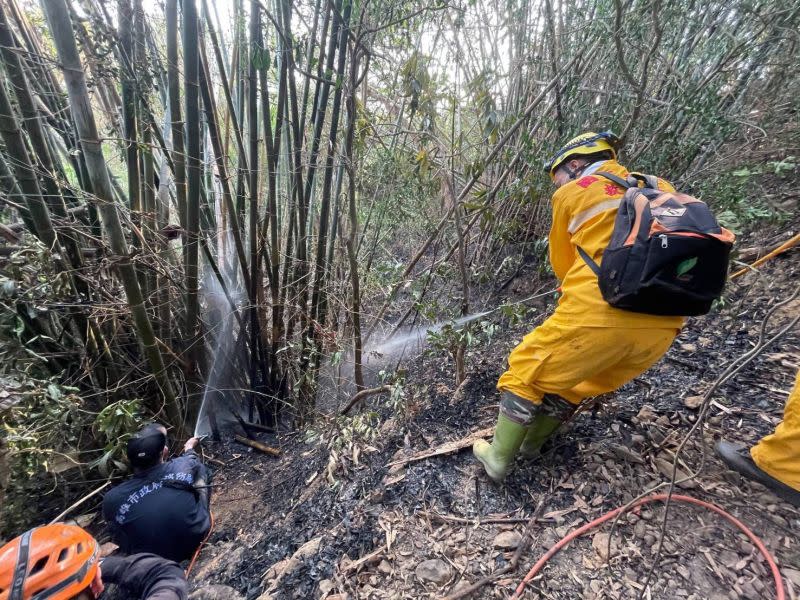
615, 178
588, 260
650, 181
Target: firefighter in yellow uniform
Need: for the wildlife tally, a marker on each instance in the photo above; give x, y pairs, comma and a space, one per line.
586, 347
775, 460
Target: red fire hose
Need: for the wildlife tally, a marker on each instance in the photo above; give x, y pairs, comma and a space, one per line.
779, 593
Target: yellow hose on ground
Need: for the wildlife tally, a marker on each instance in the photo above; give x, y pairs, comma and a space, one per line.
782, 248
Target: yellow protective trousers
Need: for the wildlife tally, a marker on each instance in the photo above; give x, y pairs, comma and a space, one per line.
581, 362
779, 453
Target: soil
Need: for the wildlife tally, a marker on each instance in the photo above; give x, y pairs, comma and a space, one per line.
333, 518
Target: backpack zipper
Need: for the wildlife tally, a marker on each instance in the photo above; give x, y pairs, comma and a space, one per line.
664, 240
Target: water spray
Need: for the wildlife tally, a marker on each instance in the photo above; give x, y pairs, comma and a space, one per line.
394, 343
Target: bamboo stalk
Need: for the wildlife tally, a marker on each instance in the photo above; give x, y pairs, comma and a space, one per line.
231, 113
128, 60
351, 241
173, 80
25, 175
219, 158
269, 232
60, 26
52, 191
80, 501
318, 296
253, 229
191, 60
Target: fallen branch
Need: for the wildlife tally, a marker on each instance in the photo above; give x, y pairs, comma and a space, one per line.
80, 501
475, 521
8, 233
282, 569
447, 448
257, 445
214, 461
166, 348
357, 564
6, 251
511, 566
684, 363
364, 394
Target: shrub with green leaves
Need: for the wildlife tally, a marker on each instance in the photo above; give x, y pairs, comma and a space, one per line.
51, 435
741, 197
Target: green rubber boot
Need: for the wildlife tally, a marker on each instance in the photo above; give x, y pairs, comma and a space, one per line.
539, 432
497, 456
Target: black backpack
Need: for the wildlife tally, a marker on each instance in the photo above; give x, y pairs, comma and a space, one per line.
667, 254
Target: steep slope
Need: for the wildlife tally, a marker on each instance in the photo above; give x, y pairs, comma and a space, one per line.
335, 518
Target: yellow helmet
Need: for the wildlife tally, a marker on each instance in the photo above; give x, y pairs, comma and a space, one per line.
586, 143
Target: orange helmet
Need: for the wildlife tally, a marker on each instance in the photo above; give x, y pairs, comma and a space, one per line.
56, 562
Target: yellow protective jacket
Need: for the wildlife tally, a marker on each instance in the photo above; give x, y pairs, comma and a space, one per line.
584, 211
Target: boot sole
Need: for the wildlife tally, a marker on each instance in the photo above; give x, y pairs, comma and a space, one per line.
748, 468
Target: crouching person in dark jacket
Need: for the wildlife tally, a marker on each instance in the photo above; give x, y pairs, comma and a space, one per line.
61, 562
164, 508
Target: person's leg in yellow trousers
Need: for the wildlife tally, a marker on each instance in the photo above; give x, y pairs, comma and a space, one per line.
779, 453
573, 363
580, 362
775, 460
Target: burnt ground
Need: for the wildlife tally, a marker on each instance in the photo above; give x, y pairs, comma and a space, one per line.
331, 519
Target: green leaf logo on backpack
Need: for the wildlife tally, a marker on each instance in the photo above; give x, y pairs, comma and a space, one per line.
686, 266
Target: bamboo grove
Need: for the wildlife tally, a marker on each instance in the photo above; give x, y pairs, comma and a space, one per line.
189, 199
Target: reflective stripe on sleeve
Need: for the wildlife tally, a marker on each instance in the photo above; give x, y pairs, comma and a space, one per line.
580, 219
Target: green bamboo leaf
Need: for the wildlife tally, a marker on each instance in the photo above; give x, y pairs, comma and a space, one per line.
261, 58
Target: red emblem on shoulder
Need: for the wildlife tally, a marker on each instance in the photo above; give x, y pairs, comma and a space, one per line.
612, 190
585, 182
